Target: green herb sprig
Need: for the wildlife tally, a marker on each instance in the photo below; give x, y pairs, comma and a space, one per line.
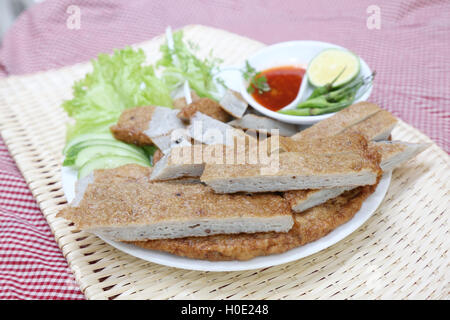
257, 81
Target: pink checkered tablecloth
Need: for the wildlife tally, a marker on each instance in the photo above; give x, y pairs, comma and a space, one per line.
409, 51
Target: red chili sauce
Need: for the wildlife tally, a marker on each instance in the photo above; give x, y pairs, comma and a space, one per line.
284, 85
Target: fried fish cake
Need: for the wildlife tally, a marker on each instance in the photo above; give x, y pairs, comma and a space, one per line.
309, 226
206, 106
132, 124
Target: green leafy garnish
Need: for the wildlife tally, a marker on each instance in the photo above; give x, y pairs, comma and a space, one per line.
117, 82
180, 64
257, 81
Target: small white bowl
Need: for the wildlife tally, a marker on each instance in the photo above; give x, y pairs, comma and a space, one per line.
293, 53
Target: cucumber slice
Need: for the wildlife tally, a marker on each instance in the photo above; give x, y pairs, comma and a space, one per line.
327, 65
96, 151
72, 152
86, 137
107, 162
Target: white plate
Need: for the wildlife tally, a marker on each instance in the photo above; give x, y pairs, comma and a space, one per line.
367, 209
298, 53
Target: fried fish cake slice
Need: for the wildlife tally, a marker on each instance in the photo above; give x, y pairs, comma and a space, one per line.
123, 204
392, 153
344, 142
132, 124
147, 125
309, 226
377, 127
206, 106
137, 125
296, 171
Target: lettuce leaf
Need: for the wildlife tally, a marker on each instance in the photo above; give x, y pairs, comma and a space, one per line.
117, 82
199, 73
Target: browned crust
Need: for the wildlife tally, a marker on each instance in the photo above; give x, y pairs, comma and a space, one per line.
387, 150
375, 125
157, 156
132, 124
309, 226
295, 197
180, 103
348, 142
206, 106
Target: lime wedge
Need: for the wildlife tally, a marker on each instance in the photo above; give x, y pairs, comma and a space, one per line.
328, 64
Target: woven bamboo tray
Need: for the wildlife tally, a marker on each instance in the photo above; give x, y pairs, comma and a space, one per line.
401, 252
